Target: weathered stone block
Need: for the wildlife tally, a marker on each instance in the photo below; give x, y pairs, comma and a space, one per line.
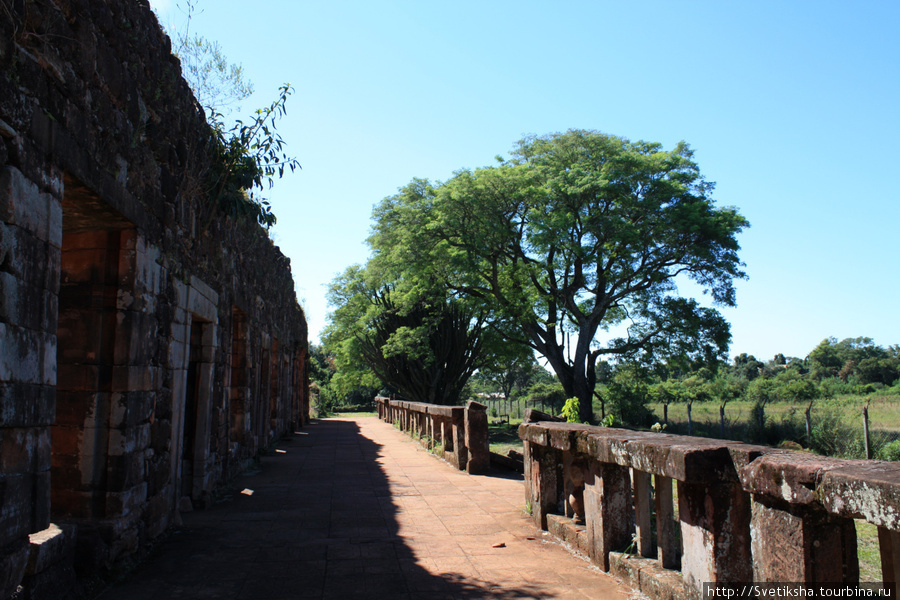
156, 514
479, 460
78, 377
24, 450
75, 407
131, 408
12, 566
864, 489
136, 342
801, 543
123, 472
129, 440
126, 502
26, 405
50, 546
86, 239
21, 354
48, 359
134, 378
23, 204
16, 501
788, 476
715, 533
609, 511
28, 258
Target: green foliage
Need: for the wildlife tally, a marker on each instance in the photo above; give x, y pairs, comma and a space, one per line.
571, 410
890, 451
246, 156
424, 346
858, 359
627, 394
217, 84
549, 395
576, 233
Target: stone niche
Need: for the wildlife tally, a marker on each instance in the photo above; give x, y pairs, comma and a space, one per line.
149, 345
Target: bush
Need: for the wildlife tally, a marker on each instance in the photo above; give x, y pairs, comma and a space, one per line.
890, 451
571, 410
832, 436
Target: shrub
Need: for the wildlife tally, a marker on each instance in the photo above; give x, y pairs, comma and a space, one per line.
571, 409
890, 451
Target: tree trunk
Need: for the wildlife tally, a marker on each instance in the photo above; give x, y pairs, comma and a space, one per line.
722, 421
690, 422
585, 395
666, 414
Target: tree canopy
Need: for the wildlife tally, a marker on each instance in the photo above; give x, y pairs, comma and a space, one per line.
424, 346
575, 234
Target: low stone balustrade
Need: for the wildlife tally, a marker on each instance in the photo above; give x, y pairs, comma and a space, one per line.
725, 512
459, 434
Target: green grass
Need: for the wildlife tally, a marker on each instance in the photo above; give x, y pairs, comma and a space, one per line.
867, 549
505, 437
353, 415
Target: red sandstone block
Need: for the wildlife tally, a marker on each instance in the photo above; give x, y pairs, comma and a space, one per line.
78, 378
84, 265
86, 239
66, 440
65, 471
864, 489
715, 532
136, 341
789, 476
75, 407
802, 543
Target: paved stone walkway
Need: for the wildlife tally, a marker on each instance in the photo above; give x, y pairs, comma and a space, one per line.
353, 508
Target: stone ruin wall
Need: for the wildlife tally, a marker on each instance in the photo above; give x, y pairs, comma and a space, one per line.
149, 346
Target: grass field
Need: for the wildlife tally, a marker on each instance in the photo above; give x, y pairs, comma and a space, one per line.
505, 437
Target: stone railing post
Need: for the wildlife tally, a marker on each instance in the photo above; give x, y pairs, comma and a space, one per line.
715, 533
794, 537
607, 510
477, 438
458, 437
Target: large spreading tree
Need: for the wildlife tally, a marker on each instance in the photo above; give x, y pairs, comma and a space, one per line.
575, 234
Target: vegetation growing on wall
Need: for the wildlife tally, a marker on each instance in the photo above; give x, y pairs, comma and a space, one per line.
246, 155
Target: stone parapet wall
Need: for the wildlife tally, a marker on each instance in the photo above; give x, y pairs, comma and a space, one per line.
149, 345
458, 434
743, 513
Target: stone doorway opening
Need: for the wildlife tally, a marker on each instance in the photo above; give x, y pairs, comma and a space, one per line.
90, 457
197, 399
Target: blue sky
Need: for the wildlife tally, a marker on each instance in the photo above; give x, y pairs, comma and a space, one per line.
792, 108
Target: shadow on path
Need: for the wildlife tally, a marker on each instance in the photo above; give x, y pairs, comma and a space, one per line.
335, 515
